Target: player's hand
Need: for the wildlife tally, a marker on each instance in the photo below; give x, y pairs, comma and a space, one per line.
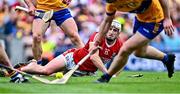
32, 10
168, 27
93, 48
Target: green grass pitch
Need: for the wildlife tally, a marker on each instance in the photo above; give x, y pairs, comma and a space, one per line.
151, 82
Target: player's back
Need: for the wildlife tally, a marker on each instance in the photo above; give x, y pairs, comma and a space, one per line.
143, 9
124, 5
52, 4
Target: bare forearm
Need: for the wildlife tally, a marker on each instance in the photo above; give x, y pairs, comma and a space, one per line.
4, 58
104, 27
165, 6
99, 64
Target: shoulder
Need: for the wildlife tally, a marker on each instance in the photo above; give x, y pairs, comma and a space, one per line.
119, 42
93, 36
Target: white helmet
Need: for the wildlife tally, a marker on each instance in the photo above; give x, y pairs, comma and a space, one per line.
117, 24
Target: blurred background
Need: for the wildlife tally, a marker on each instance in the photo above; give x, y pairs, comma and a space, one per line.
16, 35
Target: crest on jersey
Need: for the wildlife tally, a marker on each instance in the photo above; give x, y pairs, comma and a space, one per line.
106, 52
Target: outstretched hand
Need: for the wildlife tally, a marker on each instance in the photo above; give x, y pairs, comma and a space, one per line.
94, 49
168, 27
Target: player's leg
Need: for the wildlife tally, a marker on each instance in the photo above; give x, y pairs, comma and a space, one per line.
62, 61
135, 42
65, 21
3, 57
15, 77
146, 32
153, 53
149, 52
70, 28
38, 28
107, 65
53, 66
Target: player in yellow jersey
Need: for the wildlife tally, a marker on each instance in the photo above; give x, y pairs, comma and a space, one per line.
152, 16
61, 16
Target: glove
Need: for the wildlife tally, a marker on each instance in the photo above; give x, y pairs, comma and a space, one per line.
18, 78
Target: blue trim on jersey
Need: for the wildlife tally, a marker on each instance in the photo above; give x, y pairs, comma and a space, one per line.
149, 30
58, 16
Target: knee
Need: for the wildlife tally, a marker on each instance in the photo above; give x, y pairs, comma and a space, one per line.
125, 50
140, 53
37, 37
137, 54
74, 38
46, 72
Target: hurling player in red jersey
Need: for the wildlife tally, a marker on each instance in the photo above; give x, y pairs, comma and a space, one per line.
110, 45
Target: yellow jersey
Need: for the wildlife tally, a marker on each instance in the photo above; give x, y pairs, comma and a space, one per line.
153, 13
52, 4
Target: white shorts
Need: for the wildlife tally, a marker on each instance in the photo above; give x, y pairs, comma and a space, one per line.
69, 60
69, 64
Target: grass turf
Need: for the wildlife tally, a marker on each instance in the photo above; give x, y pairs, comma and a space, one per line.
151, 82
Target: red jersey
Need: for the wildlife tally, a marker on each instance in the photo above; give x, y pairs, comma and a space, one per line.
107, 53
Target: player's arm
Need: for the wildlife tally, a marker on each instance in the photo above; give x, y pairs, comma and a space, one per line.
168, 26
31, 6
165, 6
97, 60
106, 23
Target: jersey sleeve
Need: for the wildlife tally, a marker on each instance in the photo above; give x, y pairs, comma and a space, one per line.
110, 9
92, 37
